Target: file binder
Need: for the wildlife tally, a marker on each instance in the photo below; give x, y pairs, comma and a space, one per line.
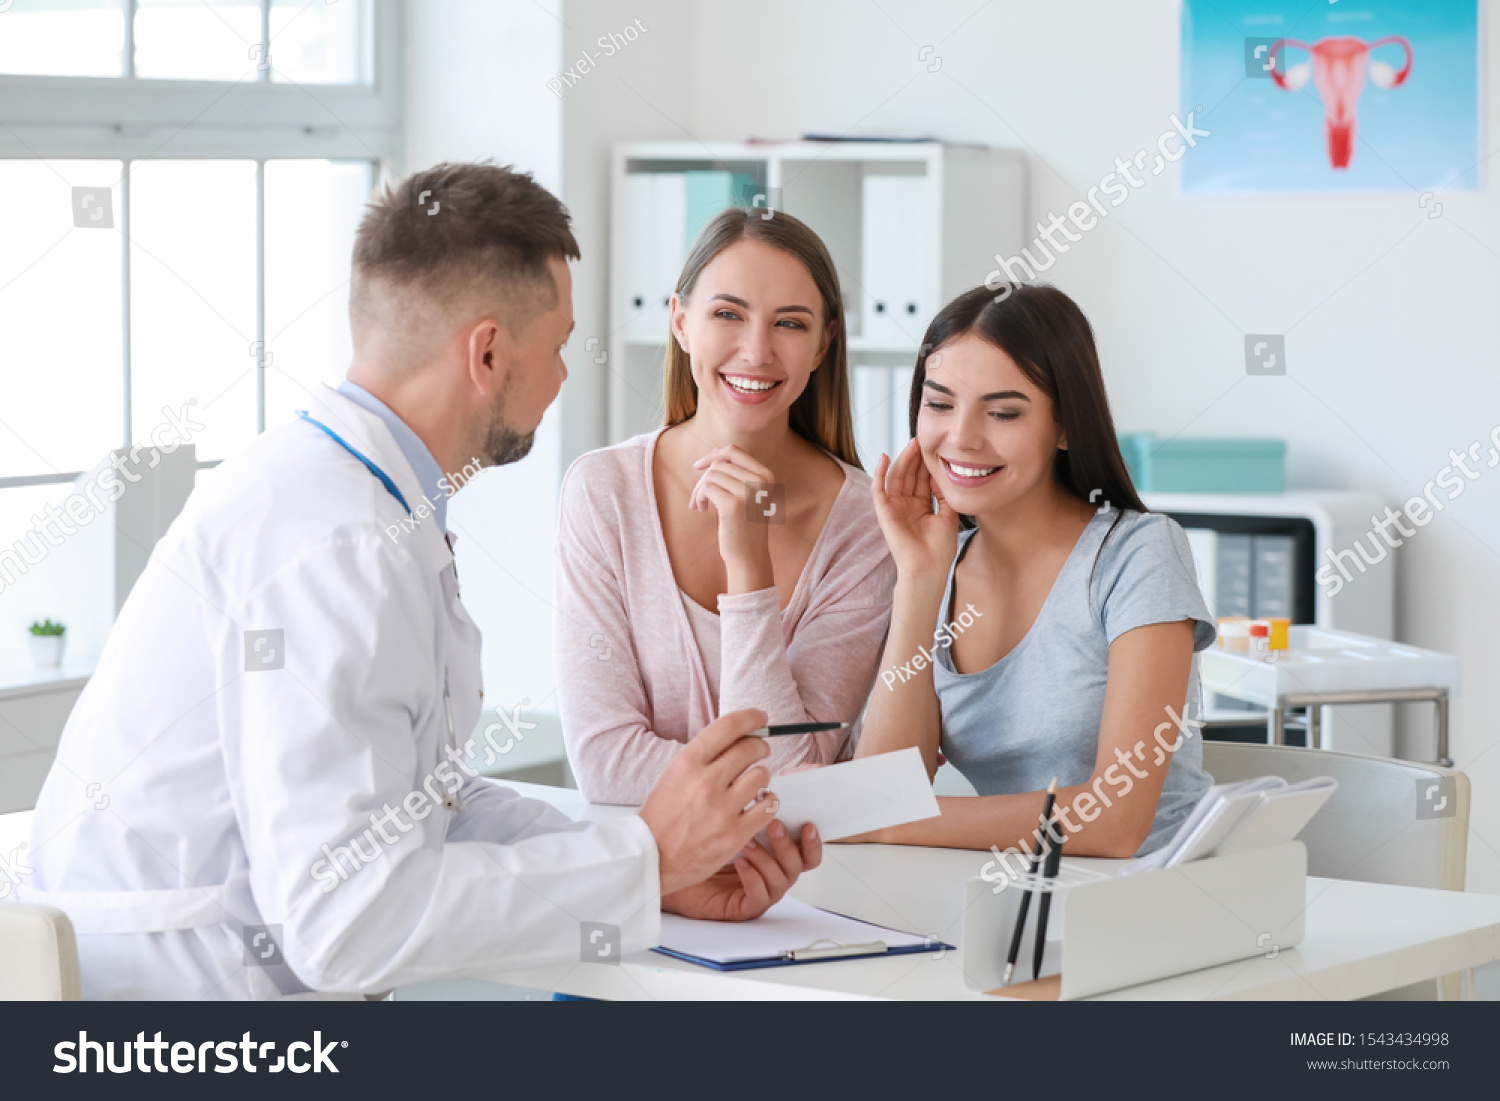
894, 302
654, 221
900, 408
872, 413
1274, 557
881, 399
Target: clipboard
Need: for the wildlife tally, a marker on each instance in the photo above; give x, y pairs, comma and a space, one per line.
724, 946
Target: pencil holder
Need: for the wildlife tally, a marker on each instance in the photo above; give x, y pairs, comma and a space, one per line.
1106, 932
997, 896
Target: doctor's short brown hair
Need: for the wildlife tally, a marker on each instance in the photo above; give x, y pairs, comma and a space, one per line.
457, 233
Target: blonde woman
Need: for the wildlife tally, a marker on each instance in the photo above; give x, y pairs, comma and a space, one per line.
730, 559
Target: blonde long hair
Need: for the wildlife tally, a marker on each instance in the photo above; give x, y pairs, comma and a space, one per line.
821, 414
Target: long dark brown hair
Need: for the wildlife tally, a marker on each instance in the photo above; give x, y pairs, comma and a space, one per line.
821, 414
1052, 343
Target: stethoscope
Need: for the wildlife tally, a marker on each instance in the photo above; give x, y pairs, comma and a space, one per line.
452, 802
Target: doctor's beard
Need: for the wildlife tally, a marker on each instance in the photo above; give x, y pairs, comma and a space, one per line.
503, 444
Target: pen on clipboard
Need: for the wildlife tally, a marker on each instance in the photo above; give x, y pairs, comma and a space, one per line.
1036, 853
796, 728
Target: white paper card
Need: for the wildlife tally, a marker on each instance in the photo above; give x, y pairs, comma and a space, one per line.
870, 793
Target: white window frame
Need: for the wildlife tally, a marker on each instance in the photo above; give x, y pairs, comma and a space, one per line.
128, 118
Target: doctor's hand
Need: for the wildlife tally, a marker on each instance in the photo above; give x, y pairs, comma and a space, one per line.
710, 800
756, 880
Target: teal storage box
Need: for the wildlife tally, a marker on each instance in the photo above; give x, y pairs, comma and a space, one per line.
710, 192
1204, 465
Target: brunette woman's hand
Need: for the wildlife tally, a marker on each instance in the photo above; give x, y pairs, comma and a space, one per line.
729, 484
922, 542
757, 880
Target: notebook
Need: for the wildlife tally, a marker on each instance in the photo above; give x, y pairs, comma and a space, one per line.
1231, 818
789, 932
1279, 816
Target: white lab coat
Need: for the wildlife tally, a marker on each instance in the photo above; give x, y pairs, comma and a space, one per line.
192, 797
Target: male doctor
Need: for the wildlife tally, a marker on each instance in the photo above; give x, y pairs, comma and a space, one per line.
261, 792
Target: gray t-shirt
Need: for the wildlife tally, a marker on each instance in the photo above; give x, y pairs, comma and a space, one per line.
1035, 713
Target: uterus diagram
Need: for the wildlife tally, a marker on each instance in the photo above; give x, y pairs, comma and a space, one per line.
1337, 67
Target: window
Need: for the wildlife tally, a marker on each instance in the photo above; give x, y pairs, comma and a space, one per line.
295, 41
44, 37
177, 40
182, 179
312, 211
60, 325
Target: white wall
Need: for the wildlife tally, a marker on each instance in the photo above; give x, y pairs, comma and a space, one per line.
476, 74
640, 92
1389, 316
475, 89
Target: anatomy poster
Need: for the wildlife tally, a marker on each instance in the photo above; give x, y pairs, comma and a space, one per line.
1380, 95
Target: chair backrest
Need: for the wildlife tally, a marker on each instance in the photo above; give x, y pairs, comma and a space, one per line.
38, 955
1390, 821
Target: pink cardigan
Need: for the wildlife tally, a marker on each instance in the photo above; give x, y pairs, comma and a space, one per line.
631, 683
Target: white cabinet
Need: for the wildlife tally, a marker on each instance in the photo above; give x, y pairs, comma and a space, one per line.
909, 227
83, 582
1317, 524
34, 707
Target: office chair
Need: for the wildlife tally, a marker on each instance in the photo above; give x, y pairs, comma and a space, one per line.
38, 955
1399, 822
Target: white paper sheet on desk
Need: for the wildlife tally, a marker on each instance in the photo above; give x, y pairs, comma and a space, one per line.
871, 793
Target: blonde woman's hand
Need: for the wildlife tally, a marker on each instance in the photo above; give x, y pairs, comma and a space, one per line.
729, 484
757, 880
922, 542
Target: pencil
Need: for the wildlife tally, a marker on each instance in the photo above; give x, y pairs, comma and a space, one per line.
1036, 852
1049, 871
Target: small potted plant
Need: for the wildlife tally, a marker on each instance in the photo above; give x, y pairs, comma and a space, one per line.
47, 640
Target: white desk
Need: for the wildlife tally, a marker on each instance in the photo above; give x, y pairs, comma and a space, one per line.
1361, 939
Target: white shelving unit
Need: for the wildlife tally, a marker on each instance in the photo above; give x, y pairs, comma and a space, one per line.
909, 226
